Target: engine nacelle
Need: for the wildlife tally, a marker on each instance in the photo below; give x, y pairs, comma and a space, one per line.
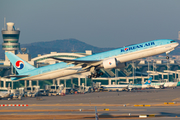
110, 63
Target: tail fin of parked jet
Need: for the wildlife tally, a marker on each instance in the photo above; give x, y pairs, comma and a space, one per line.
96, 114
148, 82
20, 65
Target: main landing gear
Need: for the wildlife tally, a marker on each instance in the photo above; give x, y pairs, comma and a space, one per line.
167, 57
95, 75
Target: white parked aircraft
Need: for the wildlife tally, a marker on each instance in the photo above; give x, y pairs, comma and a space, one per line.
164, 84
5, 94
115, 87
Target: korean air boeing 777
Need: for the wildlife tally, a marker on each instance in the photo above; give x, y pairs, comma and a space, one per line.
116, 58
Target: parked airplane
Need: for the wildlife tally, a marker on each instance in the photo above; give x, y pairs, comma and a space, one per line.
115, 87
164, 84
170, 84
139, 86
127, 87
5, 94
110, 59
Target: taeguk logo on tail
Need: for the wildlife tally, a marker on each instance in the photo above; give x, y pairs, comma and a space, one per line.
19, 64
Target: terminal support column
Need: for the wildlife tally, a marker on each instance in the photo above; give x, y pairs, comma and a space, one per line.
25, 83
109, 81
72, 85
30, 83
85, 81
54, 81
12, 85
79, 81
65, 86
71, 80
4, 84
116, 73
127, 80
58, 82
37, 82
142, 80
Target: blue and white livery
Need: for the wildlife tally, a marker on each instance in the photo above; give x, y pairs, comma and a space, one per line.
147, 84
116, 58
127, 87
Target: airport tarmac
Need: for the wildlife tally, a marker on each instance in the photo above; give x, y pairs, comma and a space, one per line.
109, 104
149, 96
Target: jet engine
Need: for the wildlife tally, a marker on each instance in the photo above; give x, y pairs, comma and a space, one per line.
112, 63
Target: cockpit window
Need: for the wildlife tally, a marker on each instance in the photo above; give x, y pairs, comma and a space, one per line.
172, 41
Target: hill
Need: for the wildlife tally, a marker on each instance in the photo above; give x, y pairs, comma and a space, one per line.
66, 45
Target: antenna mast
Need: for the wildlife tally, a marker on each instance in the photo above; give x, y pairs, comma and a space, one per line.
4, 23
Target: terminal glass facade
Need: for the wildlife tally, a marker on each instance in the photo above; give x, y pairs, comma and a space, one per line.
10, 36
10, 46
11, 41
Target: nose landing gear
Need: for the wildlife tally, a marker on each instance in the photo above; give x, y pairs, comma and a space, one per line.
167, 57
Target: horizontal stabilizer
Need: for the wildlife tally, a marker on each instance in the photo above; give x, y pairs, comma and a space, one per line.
18, 76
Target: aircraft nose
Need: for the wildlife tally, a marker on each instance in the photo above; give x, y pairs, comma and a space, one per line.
177, 44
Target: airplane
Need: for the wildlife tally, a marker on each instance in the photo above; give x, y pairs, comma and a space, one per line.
164, 85
170, 84
5, 94
127, 87
115, 87
139, 86
116, 58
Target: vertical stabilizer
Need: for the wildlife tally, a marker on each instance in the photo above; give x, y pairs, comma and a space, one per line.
19, 64
148, 82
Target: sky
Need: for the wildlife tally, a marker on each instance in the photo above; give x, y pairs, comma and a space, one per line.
101, 23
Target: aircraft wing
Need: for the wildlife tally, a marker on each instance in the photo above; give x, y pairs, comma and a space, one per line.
76, 62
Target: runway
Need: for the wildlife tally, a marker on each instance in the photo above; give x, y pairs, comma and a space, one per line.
112, 105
